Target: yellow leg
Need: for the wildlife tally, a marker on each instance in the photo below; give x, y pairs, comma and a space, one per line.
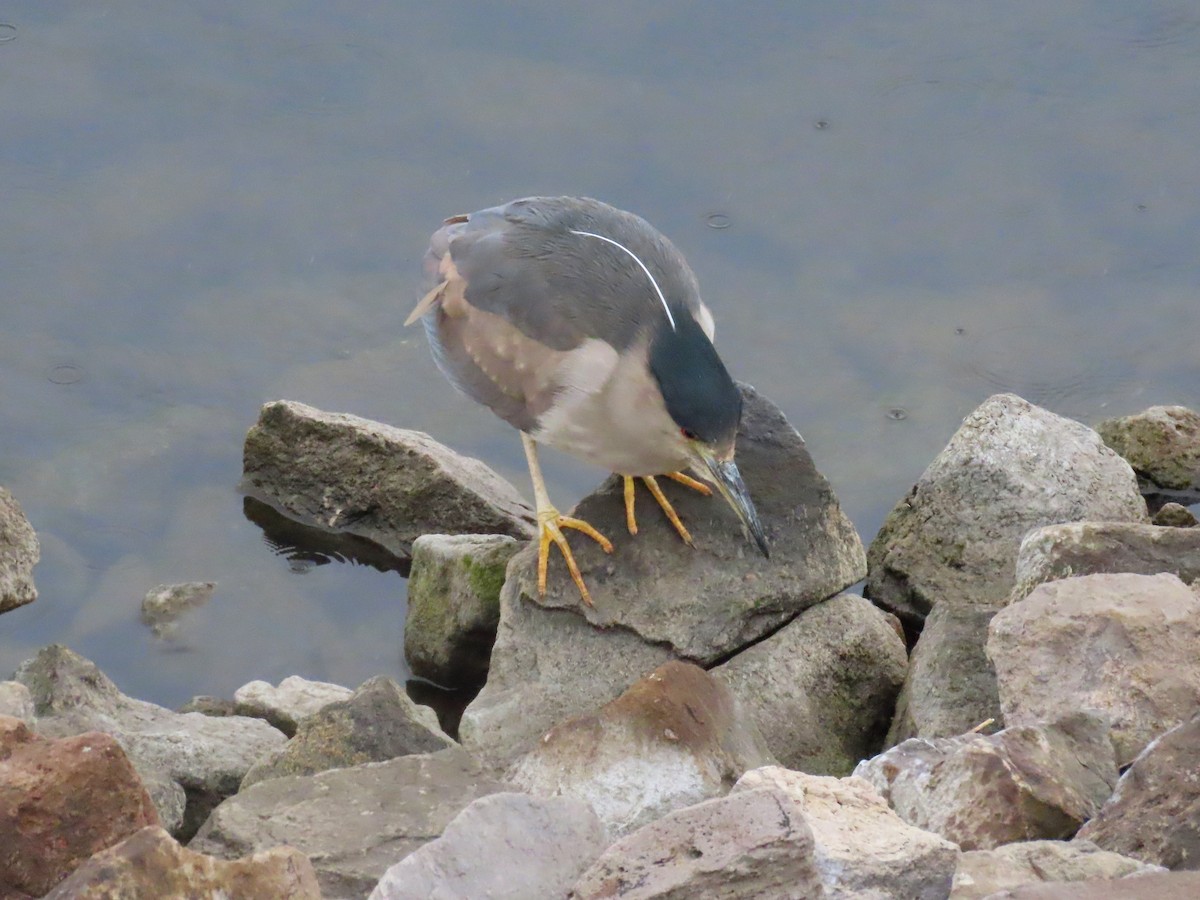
667, 508
656, 491
689, 481
550, 525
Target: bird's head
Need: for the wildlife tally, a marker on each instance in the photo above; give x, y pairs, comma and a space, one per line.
706, 406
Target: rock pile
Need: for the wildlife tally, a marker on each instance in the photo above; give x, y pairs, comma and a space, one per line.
694, 733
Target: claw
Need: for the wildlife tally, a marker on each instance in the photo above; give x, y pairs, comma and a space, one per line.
667, 508
551, 523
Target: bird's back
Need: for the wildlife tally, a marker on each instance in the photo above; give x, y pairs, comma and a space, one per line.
523, 292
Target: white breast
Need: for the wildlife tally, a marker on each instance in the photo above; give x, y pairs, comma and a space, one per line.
619, 422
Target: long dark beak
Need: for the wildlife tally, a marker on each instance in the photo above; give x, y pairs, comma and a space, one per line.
725, 475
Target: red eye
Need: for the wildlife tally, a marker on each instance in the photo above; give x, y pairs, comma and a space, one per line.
687, 433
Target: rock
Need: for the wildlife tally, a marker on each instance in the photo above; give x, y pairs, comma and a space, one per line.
365, 478
981, 791
1154, 814
721, 595
163, 605
1011, 467
822, 688
951, 685
752, 844
1175, 515
1162, 444
352, 823
150, 863
60, 802
503, 847
657, 599
1122, 644
982, 873
862, 848
1090, 548
16, 701
205, 757
675, 737
1165, 886
19, 553
289, 704
454, 605
217, 707
377, 722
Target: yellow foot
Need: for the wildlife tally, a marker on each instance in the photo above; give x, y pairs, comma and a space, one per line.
667, 508
550, 525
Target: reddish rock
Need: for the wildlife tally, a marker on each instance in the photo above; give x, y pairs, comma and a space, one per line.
675, 737
60, 802
1154, 814
151, 864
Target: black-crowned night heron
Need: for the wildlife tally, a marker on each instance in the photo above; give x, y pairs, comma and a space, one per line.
582, 327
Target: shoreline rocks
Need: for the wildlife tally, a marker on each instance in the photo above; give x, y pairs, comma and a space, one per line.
630, 750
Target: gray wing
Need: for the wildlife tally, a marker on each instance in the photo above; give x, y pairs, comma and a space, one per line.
522, 293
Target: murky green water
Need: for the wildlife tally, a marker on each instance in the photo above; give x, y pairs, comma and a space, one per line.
208, 206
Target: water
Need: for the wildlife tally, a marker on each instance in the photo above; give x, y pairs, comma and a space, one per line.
894, 211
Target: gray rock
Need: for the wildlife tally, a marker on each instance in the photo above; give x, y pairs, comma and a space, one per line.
1122, 644
951, 685
1154, 814
203, 756
822, 688
503, 847
1091, 548
19, 553
1011, 467
16, 701
548, 666
657, 599
1175, 515
981, 791
216, 707
454, 605
1155, 886
376, 723
861, 847
721, 595
369, 479
150, 864
352, 823
163, 605
1162, 444
752, 844
676, 737
982, 873
288, 705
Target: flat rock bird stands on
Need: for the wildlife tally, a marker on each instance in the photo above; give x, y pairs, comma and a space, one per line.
582, 327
